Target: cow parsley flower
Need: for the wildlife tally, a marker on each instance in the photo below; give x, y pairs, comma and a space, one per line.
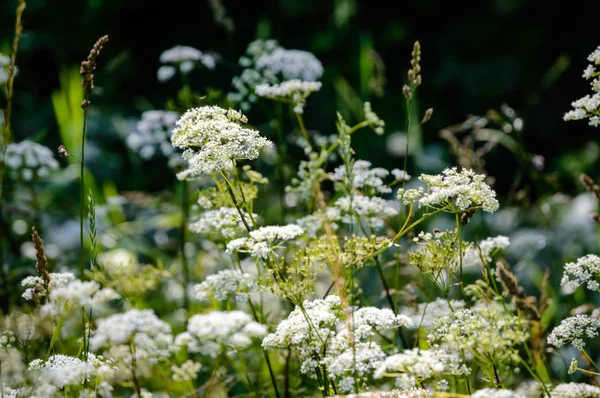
313, 224
226, 284
35, 286
423, 364
153, 133
425, 313
293, 91
264, 240
583, 272
371, 210
573, 330
207, 334
496, 393
187, 371
151, 337
487, 248
74, 295
458, 191
185, 59
62, 371
372, 119
213, 138
224, 223
367, 179
588, 107
28, 161
265, 62
575, 390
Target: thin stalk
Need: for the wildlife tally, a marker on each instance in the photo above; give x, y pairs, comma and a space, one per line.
537, 377
136, 383
590, 359
82, 194
408, 116
185, 209
303, 130
235, 203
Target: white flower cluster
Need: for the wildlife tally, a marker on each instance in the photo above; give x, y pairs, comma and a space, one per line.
207, 334
151, 337
28, 161
224, 223
484, 330
573, 330
374, 121
294, 91
34, 285
313, 223
575, 390
496, 393
267, 63
308, 330
426, 313
153, 133
226, 284
118, 262
453, 191
588, 107
487, 248
74, 295
583, 272
365, 178
423, 364
213, 138
264, 240
187, 371
60, 372
371, 210
185, 58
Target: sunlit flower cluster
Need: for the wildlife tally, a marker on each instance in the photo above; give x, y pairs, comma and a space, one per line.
224, 223
372, 211
588, 107
264, 240
293, 91
185, 59
152, 134
573, 330
226, 284
585, 271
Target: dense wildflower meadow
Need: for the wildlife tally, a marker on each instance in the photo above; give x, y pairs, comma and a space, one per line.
281, 264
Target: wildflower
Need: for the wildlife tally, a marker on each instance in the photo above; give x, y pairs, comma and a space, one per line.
213, 139
486, 248
585, 271
291, 64
370, 210
423, 364
401, 175
572, 330
575, 390
264, 240
224, 223
118, 262
151, 337
152, 134
187, 371
313, 224
293, 91
185, 58
364, 177
28, 161
226, 284
37, 286
588, 107
453, 192
425, 313
76, 294
496, 393
573, 366
4, 66
208, 333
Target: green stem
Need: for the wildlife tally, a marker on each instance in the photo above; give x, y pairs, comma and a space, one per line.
303, 130
408, 116
185, 209
82, 194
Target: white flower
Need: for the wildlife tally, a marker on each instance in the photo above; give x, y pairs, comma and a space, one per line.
487, 248
401, 175
313, 223
426, 313
371, 210
459, 191
362, 360
152, 134
165, 73
291, 64
363, 177
572, 331
295, 91
374, 121
585, 271
74, 295
422, 364
493, 393
221, 224
35, 285
151, 337
118, 262
208, 333
61, 371
213, 138
226, 284
264, 240
187, 371
187, 58
575, 390
28, 161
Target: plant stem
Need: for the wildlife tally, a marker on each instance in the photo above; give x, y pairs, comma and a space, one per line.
185, 209
303, 130
82, 194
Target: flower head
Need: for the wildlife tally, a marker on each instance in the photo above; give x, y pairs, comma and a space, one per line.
573, 330
585, 271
